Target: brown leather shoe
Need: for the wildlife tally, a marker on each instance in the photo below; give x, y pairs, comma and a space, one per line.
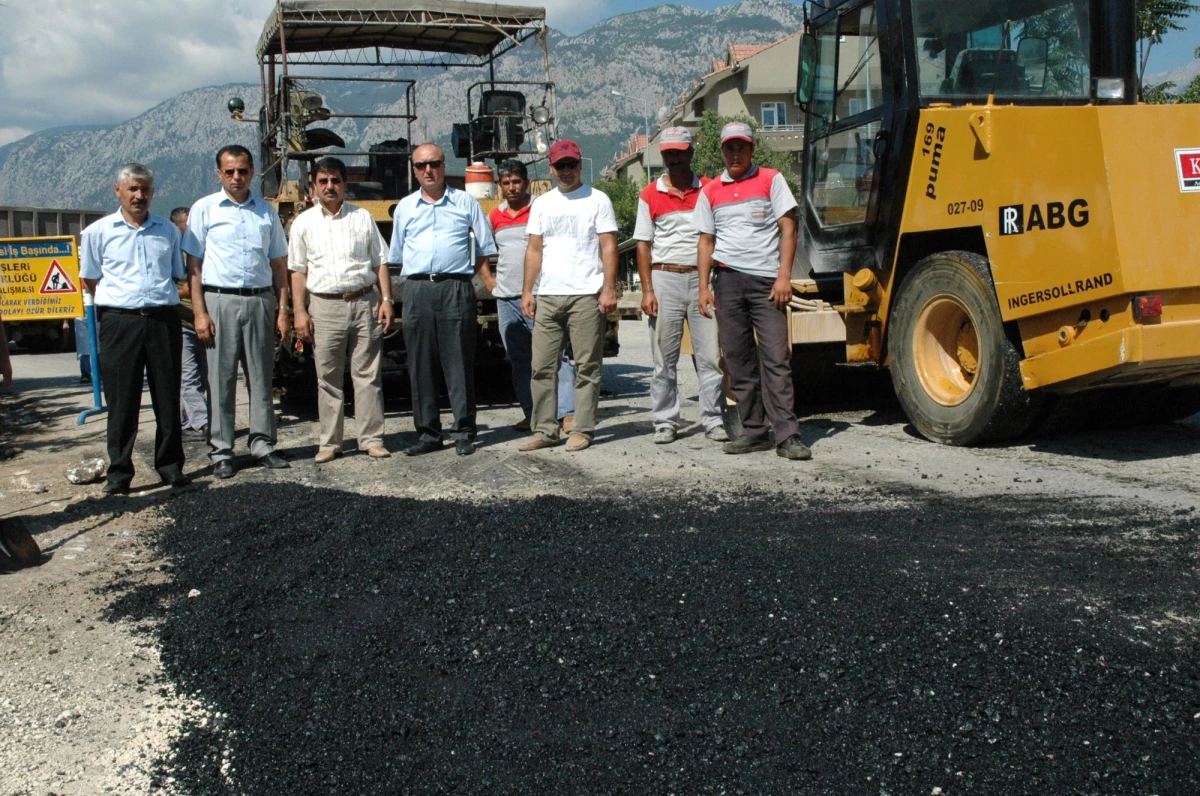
325, 455
577, 442
566, 423
536, 443
378, 452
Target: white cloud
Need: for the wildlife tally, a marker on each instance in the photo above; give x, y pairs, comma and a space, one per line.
66, 62
10, 134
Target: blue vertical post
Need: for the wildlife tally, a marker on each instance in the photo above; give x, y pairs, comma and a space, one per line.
89, 308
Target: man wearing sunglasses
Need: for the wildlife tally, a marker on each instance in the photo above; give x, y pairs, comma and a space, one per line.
573, 252
441, 239
237, 264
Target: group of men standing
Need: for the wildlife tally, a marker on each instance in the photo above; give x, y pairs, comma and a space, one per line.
554, 282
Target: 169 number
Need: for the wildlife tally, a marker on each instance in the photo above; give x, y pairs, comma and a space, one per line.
958, 208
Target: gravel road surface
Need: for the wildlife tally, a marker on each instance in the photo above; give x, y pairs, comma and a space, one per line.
894, 617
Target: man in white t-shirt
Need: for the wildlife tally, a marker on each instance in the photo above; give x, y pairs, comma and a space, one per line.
573, 249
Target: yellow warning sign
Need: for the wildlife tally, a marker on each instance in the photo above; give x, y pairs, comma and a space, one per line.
39, 279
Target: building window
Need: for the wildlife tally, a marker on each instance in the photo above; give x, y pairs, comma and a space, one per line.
698, 108
774, 114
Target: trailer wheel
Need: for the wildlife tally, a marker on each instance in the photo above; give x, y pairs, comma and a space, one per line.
955, 371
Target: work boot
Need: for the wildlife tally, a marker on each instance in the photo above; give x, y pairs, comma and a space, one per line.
747, 445
794, 448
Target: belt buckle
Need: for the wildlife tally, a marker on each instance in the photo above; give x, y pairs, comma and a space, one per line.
144, 311
435, 276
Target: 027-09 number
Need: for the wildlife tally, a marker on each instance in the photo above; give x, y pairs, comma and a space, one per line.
958, 208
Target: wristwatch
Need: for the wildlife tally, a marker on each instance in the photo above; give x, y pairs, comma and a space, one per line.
388, 299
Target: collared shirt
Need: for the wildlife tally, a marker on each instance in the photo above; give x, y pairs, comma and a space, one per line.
744, 216
236, 241
511, 242
435, 237
136, 266
339, 251
664, 218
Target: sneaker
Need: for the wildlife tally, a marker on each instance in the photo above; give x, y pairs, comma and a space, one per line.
748, 445
716, 434
577, 442
794, 448
536, 443
664, 435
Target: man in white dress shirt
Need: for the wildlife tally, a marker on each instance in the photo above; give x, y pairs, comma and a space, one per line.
337, 257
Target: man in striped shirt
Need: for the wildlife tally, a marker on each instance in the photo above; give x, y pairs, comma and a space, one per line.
747, 224
337, 258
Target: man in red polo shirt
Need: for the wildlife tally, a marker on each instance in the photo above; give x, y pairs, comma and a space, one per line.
666, 255
747, 224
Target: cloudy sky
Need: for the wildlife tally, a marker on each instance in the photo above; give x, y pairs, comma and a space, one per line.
73, 62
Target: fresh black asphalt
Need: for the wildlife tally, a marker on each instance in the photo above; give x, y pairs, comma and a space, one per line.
880, 643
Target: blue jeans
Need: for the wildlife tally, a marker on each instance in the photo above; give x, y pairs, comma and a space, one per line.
517, 333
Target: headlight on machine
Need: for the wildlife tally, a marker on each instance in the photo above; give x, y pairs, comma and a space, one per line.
1110, 88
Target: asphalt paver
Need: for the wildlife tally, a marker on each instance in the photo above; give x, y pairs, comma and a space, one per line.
677, 642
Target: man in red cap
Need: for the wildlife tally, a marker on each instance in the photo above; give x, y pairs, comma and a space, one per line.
666, 257
747, 224
570, 285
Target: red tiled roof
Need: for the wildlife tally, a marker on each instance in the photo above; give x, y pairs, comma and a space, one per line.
740, 52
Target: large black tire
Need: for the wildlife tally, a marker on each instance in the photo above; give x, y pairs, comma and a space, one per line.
955, 372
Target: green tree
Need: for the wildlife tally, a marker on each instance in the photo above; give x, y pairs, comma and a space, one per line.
624, 193
1155, 19
1165, 94
707, 142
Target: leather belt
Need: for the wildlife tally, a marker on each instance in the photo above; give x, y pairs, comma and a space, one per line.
344, 296
437, 277
674, 269
236, 291
143, 311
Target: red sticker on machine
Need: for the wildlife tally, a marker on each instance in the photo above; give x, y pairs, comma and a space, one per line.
1187, 163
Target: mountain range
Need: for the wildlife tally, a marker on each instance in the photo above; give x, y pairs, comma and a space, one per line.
653, 55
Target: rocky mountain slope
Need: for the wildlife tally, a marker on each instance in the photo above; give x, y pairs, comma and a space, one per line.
653, 54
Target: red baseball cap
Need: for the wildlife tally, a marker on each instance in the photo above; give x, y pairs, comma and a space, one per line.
564, 149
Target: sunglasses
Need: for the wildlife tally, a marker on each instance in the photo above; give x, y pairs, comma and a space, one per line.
421, 165
566, 164
231, 172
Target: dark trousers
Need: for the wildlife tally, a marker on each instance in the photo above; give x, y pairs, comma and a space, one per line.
760, 373
439, 331
133, 346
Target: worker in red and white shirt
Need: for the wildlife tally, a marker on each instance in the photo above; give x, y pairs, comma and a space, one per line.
747, 224
666, 257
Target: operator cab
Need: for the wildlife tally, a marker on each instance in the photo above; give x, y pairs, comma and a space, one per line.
868, 68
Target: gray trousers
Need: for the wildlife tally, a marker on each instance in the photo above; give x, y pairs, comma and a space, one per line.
440, 331
245, 324
760, 370
341, 328
679, 300
580, 318
193, 405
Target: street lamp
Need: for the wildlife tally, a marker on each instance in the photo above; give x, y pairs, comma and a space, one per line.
645, 107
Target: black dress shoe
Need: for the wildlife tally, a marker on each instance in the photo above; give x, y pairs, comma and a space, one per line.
223, 468
176, 480
116, 488
423, 446
274, 461
464, 447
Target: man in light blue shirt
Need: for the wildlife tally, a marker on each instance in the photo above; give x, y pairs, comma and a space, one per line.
441, 239
237, 266
128, 261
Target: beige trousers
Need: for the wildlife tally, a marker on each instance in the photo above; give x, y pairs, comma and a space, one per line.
579, 317
341, 329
